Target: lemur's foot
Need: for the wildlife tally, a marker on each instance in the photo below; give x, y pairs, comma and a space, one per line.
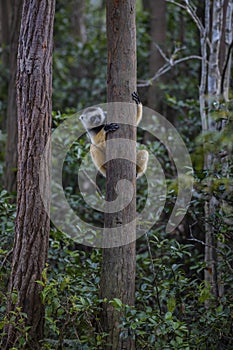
136, 97
111, 127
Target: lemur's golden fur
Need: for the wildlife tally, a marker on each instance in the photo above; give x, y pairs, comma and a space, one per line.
94, 121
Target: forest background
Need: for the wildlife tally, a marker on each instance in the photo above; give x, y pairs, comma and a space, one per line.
183, 287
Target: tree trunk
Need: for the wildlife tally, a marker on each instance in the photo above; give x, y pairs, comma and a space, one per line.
118, 265
5, 11
157, 23
5, 29
12, 136
218, 28
34, 88
78, 25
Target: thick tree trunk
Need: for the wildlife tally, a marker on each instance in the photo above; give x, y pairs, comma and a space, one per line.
11, 126
34, 87
118, 266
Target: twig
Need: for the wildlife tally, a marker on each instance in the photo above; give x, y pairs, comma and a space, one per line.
161, 52
208, 245
165, 68
177, 4
94, 184
191, 11
6, 257
154, 273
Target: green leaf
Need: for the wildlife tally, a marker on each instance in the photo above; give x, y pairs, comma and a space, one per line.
117, 303
168, 316
171, 304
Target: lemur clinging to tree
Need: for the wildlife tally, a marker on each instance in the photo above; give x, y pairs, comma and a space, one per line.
94, 121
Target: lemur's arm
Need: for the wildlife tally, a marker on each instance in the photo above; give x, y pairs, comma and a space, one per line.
99, 137
110, 127
136, 98
98, 148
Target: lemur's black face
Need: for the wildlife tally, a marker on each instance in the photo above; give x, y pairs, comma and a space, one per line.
96, 119
92, 118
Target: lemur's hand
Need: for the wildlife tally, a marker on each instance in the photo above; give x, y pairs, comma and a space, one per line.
111, 127
136, 97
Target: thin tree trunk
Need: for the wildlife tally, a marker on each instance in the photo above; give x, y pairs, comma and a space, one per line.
118, 265
34, 87
213, 93
218, 15
11, 126
227, 44
5, 29
157, 22
78, 24
5, 25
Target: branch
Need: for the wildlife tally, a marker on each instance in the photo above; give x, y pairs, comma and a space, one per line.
210, 246
5, 259
165, 68
94, 184
190, 8
203, 85
177, 4
166, 59
154, 274
225, 67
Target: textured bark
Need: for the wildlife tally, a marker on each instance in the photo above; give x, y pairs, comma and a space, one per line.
218, 31
34, 88
213, 91
226, 48
11, 126
118, 266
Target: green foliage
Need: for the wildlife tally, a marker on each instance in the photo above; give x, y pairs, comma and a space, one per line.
79, 68
4, 78
2, 148
170, 310
17, 319
70, 295
175, 300
7, 214
143, 41
174, 308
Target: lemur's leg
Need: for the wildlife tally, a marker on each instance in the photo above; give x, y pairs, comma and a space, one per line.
142, 160
99, 159
136, 98
143, 155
